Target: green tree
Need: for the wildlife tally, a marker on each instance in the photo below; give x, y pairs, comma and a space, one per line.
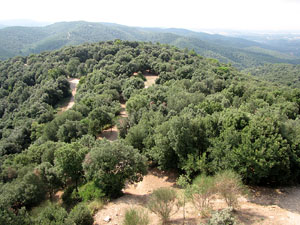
68, 160
111, 164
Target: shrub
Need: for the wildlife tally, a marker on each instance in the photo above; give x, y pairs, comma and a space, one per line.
223, 217
163, 202
80, 215
70, 196
229, 185
96, 205
90, 191
136, 217
9, 216
201, 193
52, 214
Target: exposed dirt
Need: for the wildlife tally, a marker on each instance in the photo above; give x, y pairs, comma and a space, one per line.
73, 85
150, 80
264, 206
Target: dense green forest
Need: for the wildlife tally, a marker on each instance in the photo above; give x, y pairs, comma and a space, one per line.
239, 52
282, 74
201, 117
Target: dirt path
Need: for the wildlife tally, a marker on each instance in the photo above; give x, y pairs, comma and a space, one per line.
73, 85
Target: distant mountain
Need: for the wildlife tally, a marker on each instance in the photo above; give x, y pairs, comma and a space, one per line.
240, 52
288, 43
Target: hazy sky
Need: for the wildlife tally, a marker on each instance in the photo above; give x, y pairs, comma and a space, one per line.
192, 14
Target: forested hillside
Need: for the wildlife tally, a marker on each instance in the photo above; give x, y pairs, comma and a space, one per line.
239, 52
202, 116
282, 74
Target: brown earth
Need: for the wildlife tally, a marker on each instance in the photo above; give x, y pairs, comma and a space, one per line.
263, 206
150, 80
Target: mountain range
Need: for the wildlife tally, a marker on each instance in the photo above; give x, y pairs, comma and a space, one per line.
240, 52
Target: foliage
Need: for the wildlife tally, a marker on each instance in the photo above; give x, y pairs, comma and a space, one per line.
110, 165
52, 214
223, 217
96, 205
9, 217
163, 202
136, 217
80, 215
201, 193
229, 186
90, 191
68, 160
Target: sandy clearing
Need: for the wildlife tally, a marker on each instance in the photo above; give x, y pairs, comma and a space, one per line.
265, 206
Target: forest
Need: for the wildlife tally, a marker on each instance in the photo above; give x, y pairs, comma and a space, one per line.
201, 117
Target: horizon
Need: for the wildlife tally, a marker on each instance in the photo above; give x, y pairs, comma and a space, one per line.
234, 15
36, 23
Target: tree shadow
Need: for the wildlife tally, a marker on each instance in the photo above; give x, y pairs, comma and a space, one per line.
287, 198
247, 216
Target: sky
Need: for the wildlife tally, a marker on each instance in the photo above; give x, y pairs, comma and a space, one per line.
273, 15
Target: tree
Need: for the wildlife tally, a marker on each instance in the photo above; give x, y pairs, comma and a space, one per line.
68, 160
49, 176
97, 120
111, 164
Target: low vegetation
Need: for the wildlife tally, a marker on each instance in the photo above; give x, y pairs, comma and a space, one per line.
136, 217
163, 202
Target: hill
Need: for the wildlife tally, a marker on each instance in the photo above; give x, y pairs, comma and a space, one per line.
240, 52
201, 117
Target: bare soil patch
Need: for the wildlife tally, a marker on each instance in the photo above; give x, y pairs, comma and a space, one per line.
150, 79
264, 206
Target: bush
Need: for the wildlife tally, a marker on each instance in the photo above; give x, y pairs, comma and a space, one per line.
90, 191
80, 215
52, 214
96, 205
201, 193
70, 197
223, 217
163, 202
229, 185
9, 216
136, 217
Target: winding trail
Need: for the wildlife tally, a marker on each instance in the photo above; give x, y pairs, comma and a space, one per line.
73, 85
